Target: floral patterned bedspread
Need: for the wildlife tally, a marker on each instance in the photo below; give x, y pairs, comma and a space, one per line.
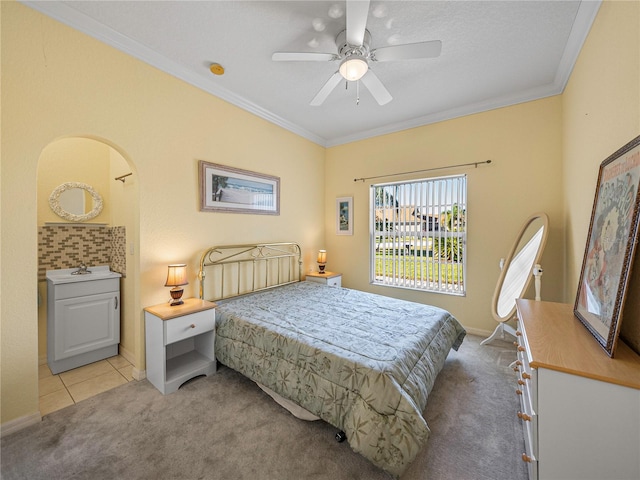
362, 362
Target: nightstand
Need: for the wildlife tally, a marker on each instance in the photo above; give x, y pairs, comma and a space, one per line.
180, 342
331, 279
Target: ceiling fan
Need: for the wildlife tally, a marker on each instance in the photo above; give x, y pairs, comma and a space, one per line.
355, 55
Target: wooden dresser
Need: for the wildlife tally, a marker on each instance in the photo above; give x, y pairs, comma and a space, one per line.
580, 409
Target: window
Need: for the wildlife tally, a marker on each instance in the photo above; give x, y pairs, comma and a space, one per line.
418, 234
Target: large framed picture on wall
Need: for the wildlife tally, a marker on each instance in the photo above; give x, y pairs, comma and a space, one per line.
233, 190
611, 246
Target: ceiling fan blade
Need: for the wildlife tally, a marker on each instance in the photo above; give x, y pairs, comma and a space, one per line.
303, 57
377, 89
357, 13
327, 88
407, 51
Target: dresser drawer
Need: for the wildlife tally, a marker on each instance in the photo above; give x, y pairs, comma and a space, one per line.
527, 376
530, 421
188, 326
530, 454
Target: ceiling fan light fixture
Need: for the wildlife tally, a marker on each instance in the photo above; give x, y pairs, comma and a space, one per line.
353, 67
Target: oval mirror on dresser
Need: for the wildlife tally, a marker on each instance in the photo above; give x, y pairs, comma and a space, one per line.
75, 202
517, 271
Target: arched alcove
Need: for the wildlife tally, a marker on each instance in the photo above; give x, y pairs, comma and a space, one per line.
109, 236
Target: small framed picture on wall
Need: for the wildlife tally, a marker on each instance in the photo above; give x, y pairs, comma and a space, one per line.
344, 216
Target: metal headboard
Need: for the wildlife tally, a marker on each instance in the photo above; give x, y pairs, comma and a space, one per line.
232, 270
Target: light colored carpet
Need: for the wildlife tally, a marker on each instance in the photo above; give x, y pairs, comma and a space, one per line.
225, 427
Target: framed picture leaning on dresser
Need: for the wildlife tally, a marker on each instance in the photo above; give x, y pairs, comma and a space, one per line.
611, 246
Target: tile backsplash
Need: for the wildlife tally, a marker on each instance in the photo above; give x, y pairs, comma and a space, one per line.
118, 247
68, 245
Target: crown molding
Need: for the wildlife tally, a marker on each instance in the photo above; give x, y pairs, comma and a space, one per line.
585, 16
85, 24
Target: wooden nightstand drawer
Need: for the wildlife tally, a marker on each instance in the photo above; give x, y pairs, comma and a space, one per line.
184, 327
334, 282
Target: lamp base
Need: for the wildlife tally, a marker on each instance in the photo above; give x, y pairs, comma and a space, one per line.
176, 296
321, 268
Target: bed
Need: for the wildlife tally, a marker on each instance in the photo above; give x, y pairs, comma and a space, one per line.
363, 363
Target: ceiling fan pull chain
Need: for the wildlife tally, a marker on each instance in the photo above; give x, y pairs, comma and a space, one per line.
357, 92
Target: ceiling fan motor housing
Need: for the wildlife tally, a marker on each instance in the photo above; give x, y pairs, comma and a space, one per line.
345, 50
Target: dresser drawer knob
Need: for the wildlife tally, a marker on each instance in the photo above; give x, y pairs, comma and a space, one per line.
518, 333
518, 391
193, 325
526, 458
521, 348
516, 369
524, 416
521, 382
526, 376
518, 362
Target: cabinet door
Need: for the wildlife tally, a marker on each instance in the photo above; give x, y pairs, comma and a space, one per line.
84, 324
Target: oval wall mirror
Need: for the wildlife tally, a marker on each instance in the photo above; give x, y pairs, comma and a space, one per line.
517, 271
75, 202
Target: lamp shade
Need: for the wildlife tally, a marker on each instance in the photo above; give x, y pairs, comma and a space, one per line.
322, 256
353, 67
177, 275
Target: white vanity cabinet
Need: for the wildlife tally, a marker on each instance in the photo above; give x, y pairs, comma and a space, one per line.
580, 409
83, 319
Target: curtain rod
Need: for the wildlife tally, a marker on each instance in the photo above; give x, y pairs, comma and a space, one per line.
475, 164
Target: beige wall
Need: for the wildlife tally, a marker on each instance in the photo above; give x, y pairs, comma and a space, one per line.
57, 82
601, 113
73, 160
125, 212
524, 144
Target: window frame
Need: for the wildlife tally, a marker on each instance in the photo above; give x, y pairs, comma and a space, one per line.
432, 199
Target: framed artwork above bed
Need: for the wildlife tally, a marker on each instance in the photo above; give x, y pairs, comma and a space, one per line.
233, 190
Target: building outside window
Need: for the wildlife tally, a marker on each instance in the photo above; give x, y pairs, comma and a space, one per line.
418, 234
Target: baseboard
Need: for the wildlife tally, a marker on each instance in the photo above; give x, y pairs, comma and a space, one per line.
19, 423
129, 356
477, 331
138, 374
135, 373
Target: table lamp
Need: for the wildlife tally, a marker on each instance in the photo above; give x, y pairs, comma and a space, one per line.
176, 277
322, 260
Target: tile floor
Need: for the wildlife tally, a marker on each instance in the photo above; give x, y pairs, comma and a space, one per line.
73, 386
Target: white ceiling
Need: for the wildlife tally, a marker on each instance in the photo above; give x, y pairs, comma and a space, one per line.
494, 54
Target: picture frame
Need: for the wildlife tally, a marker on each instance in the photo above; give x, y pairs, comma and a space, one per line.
611, 244
234, 190
344, 216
